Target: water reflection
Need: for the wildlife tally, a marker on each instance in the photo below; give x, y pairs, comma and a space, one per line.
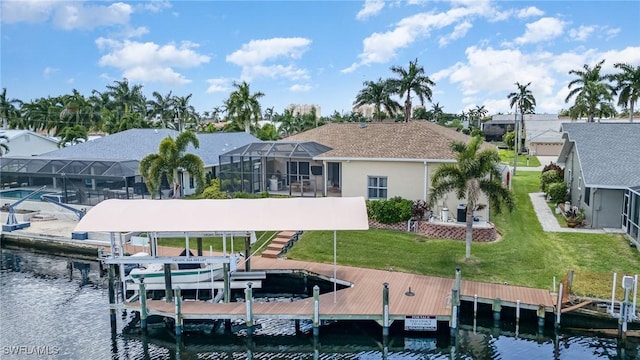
61, 302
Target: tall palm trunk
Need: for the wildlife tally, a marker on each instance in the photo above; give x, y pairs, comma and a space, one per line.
469, 237
631, 103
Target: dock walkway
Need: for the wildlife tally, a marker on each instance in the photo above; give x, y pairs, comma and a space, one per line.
362, 299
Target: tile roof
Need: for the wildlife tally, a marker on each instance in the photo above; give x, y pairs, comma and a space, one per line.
422, 140
134, 144
609, 153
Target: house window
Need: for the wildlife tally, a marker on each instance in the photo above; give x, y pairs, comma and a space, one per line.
191, 182
579, 182
587, 195
377, 187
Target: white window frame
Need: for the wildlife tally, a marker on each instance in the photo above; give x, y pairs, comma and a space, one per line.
377, 188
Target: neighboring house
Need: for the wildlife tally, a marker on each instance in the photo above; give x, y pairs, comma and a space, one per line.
547, 142
602, 162
28, 143
111, 162
373, 160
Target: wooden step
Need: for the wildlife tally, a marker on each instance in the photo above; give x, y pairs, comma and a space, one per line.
288, 234
282, 241
272, 254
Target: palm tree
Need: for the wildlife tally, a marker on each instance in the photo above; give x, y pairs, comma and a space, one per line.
244, 107
628, 86
412, 79
590, 87
73, 135
480, 112
185, 113
169, 159
160, 107
4, 147
126, 98
8, 111
524, 101
379, 94
437, 111
475, 173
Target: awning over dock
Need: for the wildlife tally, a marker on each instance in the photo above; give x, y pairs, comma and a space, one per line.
272, 214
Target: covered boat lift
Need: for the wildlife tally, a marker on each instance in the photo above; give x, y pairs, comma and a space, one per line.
198, 218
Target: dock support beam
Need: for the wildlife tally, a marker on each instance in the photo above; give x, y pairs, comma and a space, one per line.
248, 297
496, 307
247, 253
316, 311
385, 309
142, 293
178, 312
541, 315
517, 317
112, 295
168, 289
227, 283
559, 305
453, 326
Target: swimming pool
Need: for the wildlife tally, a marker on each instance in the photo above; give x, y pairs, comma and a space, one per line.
21, 193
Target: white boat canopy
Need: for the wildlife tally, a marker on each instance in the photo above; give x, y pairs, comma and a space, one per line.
181, 215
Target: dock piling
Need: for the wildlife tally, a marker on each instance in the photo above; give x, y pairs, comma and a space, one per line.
517, 317
143, 307
248, 296
316, 310
385, 309
178, 312
496, 307
168, 289
227, 283
541, 315
453, 325
112, 295
559, 305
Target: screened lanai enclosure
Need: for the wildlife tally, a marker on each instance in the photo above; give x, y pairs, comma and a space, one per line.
277, 167
83, 182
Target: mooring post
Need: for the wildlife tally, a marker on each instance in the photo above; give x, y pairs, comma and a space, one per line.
112, 295
541, 314
458, 279
385, 309
517, 316
168, 289
227, 283
496, 307
296, 325
559, 305
248, 297
453, 325
247, 253
316, 310
178, 312
475, 305
570, 282
143, 306
199, 245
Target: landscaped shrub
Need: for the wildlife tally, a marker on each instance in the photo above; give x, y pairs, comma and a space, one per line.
389, 211
557, 191
549, 177
246, 195
554, 166
213, 191
419, 209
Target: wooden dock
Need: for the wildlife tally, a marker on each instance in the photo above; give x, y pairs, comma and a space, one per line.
362, 299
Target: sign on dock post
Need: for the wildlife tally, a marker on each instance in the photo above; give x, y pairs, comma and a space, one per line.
420, 323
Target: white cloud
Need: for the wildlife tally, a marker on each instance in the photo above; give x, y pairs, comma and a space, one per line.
48, 71
300, 88
544, 29
155, 5
370, 8
219, 85
258, 51
529, 12
581, 33
382, 47
459, 31
30, 11
130, 32
256, 58
148, 61
77, 16
612, 32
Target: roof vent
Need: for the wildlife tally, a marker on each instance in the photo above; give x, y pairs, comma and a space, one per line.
363, 125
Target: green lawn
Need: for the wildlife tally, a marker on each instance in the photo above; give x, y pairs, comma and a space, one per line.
506, 157
525, 255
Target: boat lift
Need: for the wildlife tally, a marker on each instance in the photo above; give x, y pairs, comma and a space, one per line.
79, 213
12, 223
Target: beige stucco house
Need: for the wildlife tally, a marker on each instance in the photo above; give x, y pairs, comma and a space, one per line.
384, 160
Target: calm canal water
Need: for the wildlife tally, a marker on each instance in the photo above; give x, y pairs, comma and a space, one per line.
48, 311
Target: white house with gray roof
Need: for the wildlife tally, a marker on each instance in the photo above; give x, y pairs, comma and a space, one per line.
602, 162
109, 165
27, 143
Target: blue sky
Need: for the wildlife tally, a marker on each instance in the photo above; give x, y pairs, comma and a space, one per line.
312, 52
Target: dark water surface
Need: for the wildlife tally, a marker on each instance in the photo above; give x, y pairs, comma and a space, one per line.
49, 309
